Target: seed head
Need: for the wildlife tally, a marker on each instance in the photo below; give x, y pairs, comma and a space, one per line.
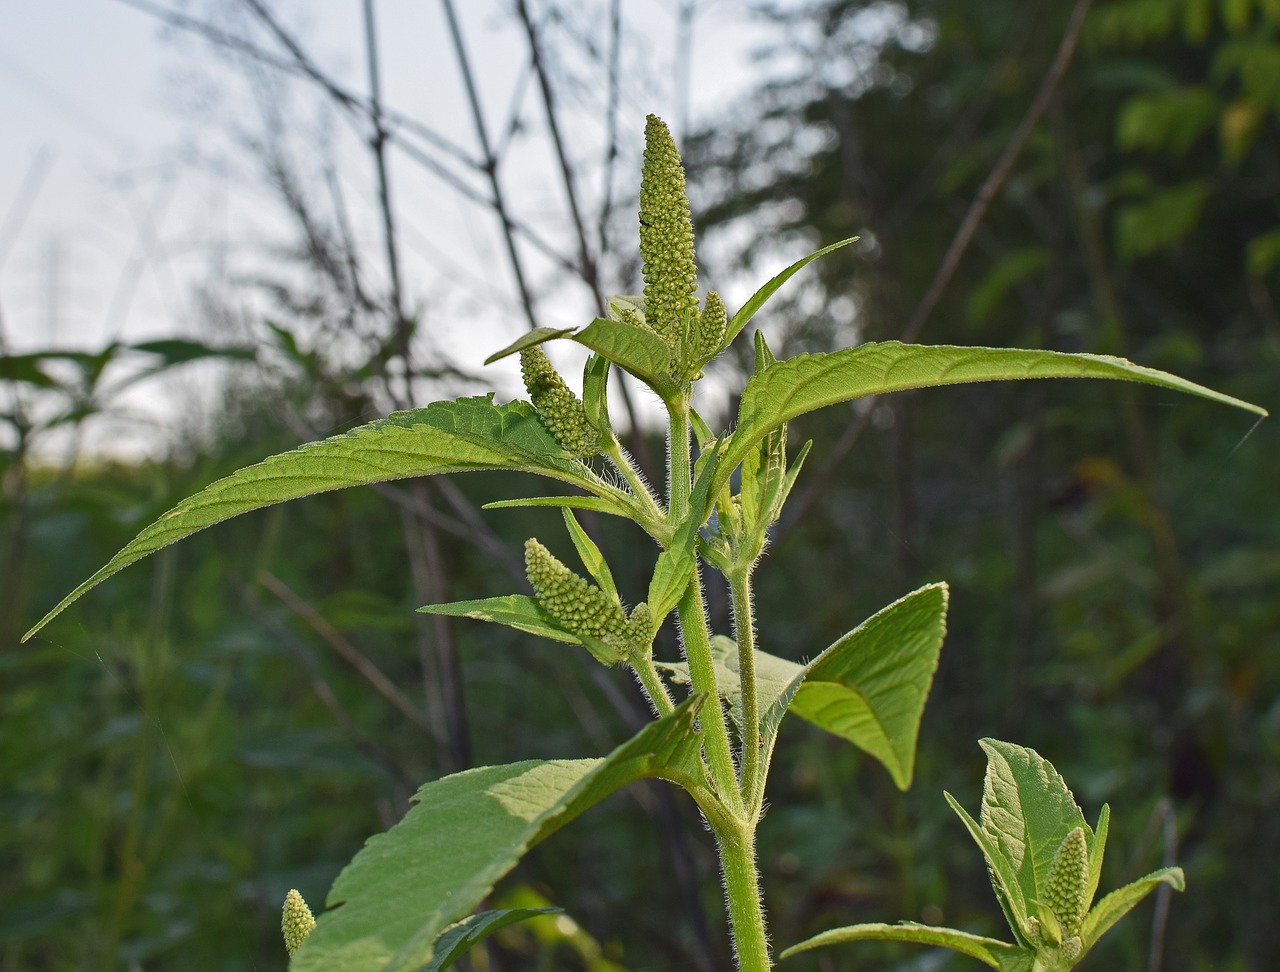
558, 407
1064, 889
296, 921
577, 604
666, 236
708, 330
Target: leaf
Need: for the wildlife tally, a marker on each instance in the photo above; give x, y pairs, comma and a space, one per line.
1004, 877
464, 832
1121, 901
1161, 221
1027, 810
1172, 120
591, 556
870, 686
1097, 848
990, 951
460, 436
519, 611
529, 339
638, 350
748, 310
593, 503
811, 381
458, 939
595, 394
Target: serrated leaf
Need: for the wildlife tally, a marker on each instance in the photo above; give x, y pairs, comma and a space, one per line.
529, 339
465, 435
461, 937
637, 350
1027, 810
870, 686
990, 951
1120, 902
748, 310
671, 575
595, 394
592, 558
776, 683
389, 905
811, 381
1003, 875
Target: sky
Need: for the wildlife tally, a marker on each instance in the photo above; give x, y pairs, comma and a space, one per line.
126, 186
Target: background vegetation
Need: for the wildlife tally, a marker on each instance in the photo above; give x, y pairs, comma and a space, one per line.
234, 718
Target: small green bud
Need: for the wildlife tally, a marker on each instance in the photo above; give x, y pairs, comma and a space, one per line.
641, 626
296, 921
708, 330
575, 603
1064, 890
666, 236
558, 407
1070, 949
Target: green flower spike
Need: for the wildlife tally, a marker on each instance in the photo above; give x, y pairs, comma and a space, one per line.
1065, 888
708, 331
558, 407
577, 605
296, 921
666, 237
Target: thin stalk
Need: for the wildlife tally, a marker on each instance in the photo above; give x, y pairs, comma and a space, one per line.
737, 848
697, 652
653, 685
623, 462
678, 459
744, 631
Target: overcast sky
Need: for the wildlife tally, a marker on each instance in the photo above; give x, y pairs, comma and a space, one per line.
123, 185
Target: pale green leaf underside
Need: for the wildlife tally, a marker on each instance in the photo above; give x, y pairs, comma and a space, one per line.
811, 381
1027, 810
1004, 879
469, 434
460, 938
992, 952
593, 503
638, 350
519, 611
1120, 902
390, 904
529, 339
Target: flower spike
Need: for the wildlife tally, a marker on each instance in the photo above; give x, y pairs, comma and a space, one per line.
575, 603
558, 407
666, 237
296, 922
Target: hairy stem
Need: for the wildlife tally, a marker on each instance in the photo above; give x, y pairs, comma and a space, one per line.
737, 848
678, 460
622, 461
744, 630
653, 685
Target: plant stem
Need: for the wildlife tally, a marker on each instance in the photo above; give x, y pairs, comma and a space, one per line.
744, 630
623, 462
653, 685
678, 461
737, 848
697, 652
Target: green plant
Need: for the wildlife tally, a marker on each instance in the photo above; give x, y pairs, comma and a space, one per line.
404, 901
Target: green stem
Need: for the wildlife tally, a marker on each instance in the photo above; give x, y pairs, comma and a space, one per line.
715, 732
744, 630
737, 848
653, 684
679, 466
623, 463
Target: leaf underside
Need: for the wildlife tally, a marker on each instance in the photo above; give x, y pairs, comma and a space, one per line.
469, 434
390, 904
460, 938
990, 951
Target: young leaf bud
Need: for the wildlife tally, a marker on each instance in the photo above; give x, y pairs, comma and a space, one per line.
558, 407
709, 329
575, 603
296, 921
1064, 889
666, 236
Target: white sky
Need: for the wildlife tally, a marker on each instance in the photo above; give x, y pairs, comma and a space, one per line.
139, 192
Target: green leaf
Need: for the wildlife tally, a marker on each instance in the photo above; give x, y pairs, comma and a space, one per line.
1027, 810
811, 381
638, 350
458, 939
460, 436
990, 951
595, 394
671, 576
519, 611
748, 310
529, 339
592, 558
1097, 848
390, 904
1121, 901
1003, 875
870, 686
1161, 221
593, 503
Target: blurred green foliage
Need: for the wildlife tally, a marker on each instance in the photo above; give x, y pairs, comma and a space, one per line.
184, 746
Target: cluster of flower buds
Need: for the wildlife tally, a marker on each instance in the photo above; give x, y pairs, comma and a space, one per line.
296, 922
585, 610
558, 407
666, 247
1064, 904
